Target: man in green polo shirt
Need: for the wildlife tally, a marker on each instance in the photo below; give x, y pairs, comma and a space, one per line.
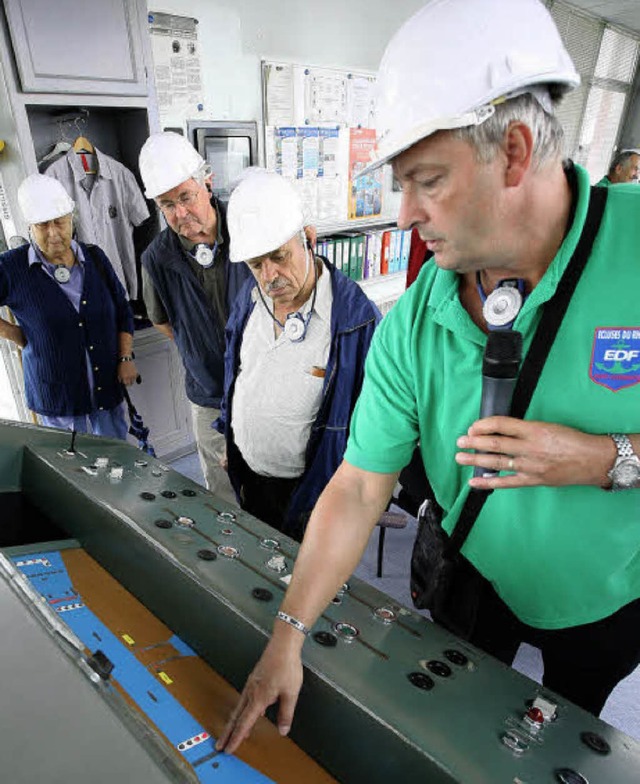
624, 168
468, 125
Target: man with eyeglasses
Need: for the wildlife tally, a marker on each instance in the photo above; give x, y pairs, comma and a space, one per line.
188, 284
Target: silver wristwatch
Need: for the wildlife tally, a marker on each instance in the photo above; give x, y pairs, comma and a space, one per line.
625, 473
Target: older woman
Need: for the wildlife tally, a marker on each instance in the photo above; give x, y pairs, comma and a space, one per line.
75, 326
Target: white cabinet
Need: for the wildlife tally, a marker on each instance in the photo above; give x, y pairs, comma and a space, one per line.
92, 47
161, 400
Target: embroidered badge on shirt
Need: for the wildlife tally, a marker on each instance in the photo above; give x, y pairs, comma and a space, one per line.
615, 359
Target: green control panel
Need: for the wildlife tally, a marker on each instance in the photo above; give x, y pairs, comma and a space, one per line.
388, 696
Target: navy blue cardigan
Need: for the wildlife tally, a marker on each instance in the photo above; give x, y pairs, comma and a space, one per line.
58, 337
353, 321
196, 329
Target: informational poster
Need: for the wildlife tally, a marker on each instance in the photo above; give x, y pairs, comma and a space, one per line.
325, 96
176, 59
365, 193
319, 134
278, 90
313, 158
309, 152
361, 101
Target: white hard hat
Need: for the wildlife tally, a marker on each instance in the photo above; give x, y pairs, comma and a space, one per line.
166, 160
264, 212
446, 65
42, 199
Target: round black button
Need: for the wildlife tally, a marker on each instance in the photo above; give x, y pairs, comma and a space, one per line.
421, 680
163, 523
262, 594
188, 492
456, 657
147, 496
207, 555
168, 494
569, 776
325, 638
439, 668
595, 742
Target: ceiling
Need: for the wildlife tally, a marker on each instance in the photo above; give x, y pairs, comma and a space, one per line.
625, 13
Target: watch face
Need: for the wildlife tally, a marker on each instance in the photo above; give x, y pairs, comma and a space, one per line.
627, 473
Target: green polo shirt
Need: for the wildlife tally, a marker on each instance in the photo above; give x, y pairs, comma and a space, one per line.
557, 556
605, 182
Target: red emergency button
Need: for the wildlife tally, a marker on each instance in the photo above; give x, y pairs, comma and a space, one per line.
535, 715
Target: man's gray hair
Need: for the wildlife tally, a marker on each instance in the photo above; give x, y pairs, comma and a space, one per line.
201, 175
488, 137
620, 159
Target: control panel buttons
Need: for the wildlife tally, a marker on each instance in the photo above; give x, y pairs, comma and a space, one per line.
147, 496
163, 523
421, 680
102, 462
227, 551
269, 544
140, 463
326, 639
226, 531
385, 615
185, 522
206, 555
569, 776
226, 517
534, 719
515, 742
189, 493
438, 668
345, 631
595, 742
456, 657
277, 563
549, 709
262, 594
168, 494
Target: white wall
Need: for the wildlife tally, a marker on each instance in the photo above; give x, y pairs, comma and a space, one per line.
234, 36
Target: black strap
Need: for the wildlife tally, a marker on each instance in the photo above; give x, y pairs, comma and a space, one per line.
131, 408
552, 315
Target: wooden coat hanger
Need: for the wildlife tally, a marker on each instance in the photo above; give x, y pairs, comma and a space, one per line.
83, 147
82, 144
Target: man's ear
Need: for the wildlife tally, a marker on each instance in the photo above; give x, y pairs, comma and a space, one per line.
519, 153
311, 234
208, 183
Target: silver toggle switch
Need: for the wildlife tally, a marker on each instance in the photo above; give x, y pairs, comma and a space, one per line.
277, 563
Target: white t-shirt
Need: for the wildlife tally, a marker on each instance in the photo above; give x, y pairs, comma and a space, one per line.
279, 386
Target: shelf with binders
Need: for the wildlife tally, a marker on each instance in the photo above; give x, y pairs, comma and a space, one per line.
376, 258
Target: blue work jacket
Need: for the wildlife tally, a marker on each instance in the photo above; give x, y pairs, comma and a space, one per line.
353, 321
59, 338
197, 329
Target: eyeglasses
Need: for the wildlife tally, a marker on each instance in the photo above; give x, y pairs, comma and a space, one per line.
185, 200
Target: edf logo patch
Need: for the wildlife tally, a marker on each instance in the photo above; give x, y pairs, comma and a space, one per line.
615, 359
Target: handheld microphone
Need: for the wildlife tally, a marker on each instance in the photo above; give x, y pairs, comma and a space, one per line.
500, 365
